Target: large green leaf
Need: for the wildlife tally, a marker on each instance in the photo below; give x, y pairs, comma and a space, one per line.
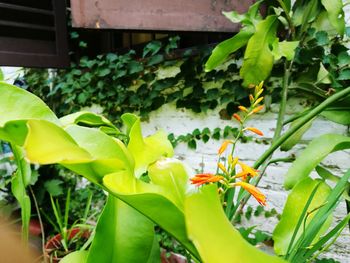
258, 58
214, 236
108, 154
314, 153
296, 137
335, 14
221, 52
339, 116
85, 118
18, 104
48, 143
19, 182
122, 235
145, 150
151, 200
293, 209
250, 18
79, 256
173, 176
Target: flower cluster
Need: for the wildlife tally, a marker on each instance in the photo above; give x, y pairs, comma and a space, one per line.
227, 175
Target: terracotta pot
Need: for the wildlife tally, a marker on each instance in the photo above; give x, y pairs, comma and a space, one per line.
55, 243
173, 258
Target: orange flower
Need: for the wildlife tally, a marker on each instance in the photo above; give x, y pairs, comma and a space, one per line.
242, 108
251, 98
224, 146
246, 171
255, 130
204, 178
236, 116
259, 196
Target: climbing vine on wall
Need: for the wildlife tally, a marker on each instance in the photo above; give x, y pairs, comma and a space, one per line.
128, 83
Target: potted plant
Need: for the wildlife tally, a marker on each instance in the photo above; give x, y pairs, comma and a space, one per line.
69, 238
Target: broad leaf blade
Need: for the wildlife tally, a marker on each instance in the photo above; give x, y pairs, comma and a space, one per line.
258, 58
214, 236
335, 14
292, 211
221, 52
18, 104
152, 201
145, 150
314, 153
122, 235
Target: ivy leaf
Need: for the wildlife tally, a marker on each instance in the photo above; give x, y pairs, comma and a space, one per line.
284, 49
258, 58
335, 14
155, 60
152, 48
343, 59
322, 38
344, 74
54, 187
104, 72
134, 67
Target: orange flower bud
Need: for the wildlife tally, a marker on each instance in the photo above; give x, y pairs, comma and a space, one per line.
251, 98
222, 168
258, 101
236, 116
242, 108
257, 109
224, 146
255, 130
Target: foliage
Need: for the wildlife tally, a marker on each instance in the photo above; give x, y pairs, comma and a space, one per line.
126, 83
116, 167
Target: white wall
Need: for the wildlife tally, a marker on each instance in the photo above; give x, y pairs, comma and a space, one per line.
180, 121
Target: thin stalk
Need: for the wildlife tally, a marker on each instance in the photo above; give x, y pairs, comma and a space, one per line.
303, 120
40, 222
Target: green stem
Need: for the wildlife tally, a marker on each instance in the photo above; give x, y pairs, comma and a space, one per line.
302, 121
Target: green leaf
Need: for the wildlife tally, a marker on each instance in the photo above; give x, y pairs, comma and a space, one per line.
18, 104
338, 116
296, 137
214, 236
108, 154
225, 48
79, 256
344, 74
85, 118
314, 153
173, 176
19, 182
54, 187
1, 75
152, 48
145, 150
323, 75
47, 143
250, 18
293, 209
284, 49
122, 235
335, 14
258, 58
153, 201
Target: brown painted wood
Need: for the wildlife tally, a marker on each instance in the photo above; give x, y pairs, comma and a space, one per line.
161, 15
